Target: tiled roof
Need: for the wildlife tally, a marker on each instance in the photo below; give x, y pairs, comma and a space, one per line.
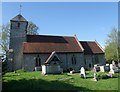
48, 44
18, 18
91, 47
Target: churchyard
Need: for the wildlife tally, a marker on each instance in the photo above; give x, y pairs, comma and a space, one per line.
20, 80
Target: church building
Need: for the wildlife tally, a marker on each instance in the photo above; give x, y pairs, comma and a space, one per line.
30, 51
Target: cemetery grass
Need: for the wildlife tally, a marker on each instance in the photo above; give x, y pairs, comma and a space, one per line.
33, 81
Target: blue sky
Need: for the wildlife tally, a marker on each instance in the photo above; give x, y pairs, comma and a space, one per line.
88, 20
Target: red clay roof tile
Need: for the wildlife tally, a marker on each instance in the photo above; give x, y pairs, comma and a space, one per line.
48, 44
91, 47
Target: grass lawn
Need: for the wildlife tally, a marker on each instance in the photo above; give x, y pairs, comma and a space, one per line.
36, 81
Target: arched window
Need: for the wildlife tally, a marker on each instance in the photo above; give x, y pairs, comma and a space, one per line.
73, 59
37, 61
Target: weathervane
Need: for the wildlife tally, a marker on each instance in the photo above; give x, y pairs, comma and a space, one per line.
20, 8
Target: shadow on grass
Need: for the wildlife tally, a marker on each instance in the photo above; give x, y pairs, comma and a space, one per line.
89, 77
39, 85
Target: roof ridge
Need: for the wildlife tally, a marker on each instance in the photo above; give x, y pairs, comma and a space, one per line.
51, 35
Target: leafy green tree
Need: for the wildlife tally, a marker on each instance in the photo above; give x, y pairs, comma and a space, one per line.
111, 48
119, 45
111, 52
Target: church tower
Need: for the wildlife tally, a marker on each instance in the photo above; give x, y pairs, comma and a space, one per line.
18, 32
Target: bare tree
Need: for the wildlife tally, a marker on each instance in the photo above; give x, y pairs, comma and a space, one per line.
32, 28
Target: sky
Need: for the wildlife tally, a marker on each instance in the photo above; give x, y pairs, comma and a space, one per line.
87, 20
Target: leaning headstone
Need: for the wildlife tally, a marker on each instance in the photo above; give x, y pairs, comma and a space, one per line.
82, 72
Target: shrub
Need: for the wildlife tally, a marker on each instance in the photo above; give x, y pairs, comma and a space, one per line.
116, 75
102, 75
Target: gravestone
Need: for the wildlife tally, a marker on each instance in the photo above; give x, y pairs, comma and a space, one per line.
102, 68
95, 78
113, 63
82, 72
51, 69
72, 71
107, 68
37, 68
111, 69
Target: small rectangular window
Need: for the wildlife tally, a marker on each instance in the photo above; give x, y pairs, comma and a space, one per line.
18, 24
38, 61
73, 60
